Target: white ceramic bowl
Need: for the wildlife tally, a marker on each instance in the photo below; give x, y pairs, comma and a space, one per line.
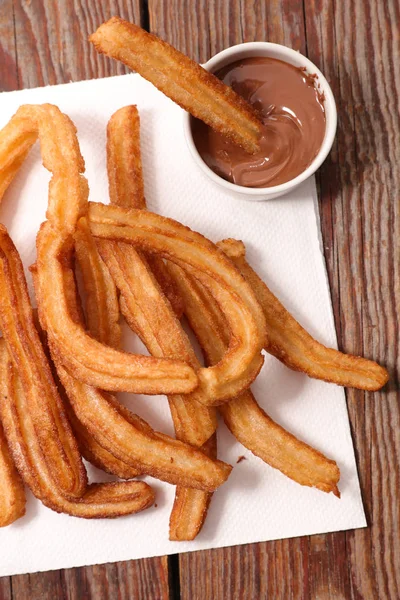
292, 57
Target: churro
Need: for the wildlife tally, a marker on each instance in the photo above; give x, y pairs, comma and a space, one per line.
12, 493
68, 191
289, 342
99, 500
245, 419
181, 79
149, 314
153, 233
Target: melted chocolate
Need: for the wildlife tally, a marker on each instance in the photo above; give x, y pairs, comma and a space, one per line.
292, 112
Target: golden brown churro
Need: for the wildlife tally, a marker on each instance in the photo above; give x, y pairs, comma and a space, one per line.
132, 440
101, 500
24, 346
37, 431
126, 186
153, 233
246, 420
294, 346
181, 79
83, 356
127, 437
12, 493
149, 314
68, 191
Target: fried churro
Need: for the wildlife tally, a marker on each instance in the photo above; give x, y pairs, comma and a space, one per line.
242, 415
12, 493
37, 431
25, 348
181, 79
153, 233
127, 437
99, 500
86, 358
149, 314
289, 342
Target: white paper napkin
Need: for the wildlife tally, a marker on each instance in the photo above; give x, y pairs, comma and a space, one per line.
282, 236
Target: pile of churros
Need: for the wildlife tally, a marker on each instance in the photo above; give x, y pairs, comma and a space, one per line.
60, 366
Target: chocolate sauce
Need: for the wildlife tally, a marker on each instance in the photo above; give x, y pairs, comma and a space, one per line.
292, 112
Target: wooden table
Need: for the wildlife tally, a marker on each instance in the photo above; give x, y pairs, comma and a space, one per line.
356, 45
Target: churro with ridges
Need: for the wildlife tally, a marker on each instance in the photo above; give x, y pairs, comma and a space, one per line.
25, 348
294, 346
129, 438
181, 79
150, 232
246, 420
103, 500
148, 313
68, 193
126, 185
12, 492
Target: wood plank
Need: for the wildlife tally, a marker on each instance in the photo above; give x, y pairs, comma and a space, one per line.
201, 29
51, 39
359, 190
5, 588
49, 47
8, 62
360, 55
141, 579
37, 585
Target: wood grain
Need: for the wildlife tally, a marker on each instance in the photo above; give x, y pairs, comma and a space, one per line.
51, 38
43, 43
220, 24
356, 44
141, 579
8, 60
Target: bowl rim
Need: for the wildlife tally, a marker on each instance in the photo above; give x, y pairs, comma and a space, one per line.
234, 52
